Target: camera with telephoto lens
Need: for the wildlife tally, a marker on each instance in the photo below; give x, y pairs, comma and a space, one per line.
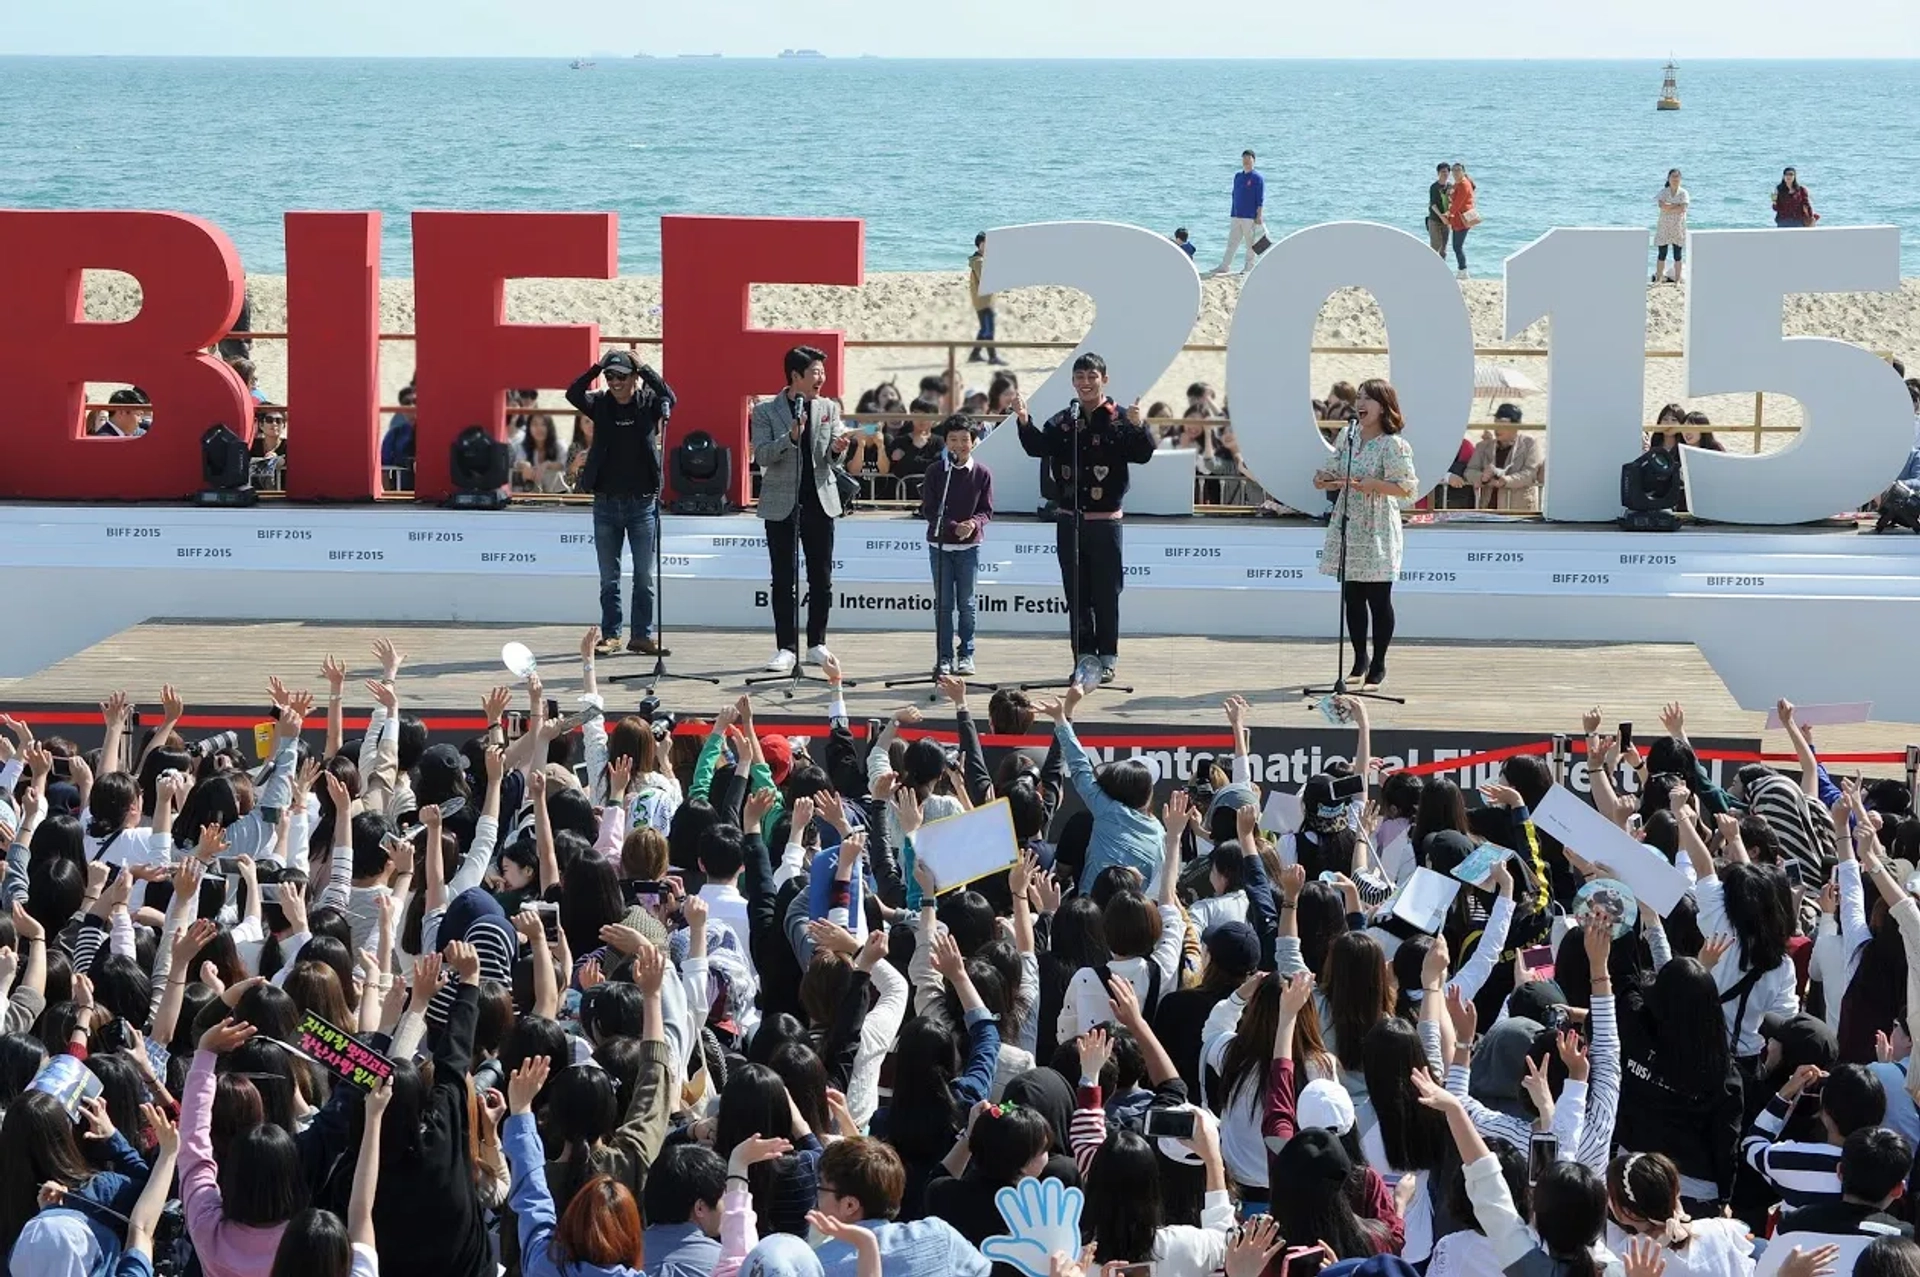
1200, 793
661, 720
215, 744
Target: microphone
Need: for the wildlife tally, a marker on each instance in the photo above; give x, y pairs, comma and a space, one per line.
1073, 410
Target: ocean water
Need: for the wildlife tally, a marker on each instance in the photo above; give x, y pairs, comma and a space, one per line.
928, 152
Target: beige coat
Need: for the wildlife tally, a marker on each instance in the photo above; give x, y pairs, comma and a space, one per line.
1525, 470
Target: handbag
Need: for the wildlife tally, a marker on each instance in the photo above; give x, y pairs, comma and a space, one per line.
1471, 217
1261, 245
848, 485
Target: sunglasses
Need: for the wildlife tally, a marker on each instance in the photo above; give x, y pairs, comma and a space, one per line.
617, 376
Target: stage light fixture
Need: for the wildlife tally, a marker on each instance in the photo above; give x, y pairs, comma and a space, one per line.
1650, 491
1899, 507
699, 470
479, 466
225, 469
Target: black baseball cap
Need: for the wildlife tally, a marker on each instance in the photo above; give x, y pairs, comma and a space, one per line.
620, 361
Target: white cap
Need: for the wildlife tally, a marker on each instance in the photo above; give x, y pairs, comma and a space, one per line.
1325, 1103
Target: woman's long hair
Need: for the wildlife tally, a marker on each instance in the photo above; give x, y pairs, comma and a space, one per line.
1359, 995
581, 1110
36, 1145
754, 1102
1691, 1054
1760, 910
1569, 1209
1321, 916
1414, 1137
1316, 1205
1249, 1056
923, 1116
1123, 1208
1442, 807
589, 900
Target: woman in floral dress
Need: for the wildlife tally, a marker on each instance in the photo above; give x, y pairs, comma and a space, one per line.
1366, 515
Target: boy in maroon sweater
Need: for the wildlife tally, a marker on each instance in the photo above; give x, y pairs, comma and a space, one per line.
956, 500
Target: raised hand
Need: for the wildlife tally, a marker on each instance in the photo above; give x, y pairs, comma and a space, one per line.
526, 1083
759, 803
1464, 1014
226, 1035
1673, 717
1095, 1049
1573, 1054
495, 702
1253, 1246
465, 961
334, 670
390, 658
947, 960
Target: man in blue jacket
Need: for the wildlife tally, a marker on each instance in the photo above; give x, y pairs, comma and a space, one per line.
1249, 220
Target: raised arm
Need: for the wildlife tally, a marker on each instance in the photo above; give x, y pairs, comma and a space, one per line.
334, 671
366, 1171
1802, 748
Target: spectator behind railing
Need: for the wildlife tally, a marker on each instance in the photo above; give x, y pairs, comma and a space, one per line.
269, 449
578, 446
396, 446
537, 461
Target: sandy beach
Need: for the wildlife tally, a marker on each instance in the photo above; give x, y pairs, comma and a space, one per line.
924, 306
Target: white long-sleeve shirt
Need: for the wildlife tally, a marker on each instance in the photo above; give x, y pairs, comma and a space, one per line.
1774, 991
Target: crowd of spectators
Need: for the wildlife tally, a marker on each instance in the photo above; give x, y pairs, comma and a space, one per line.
690, 1004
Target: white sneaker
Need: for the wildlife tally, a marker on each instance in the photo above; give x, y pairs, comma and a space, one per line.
782, 662
963, 666
1462, 275
818, 654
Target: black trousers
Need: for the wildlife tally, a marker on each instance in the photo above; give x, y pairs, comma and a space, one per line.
815, 530
1092, 584
1364, 601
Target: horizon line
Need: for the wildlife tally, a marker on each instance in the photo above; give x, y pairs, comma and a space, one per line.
703, 56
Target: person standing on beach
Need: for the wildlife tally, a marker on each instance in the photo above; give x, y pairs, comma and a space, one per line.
1086, 448
622, 471
795, 435
1248, 222
1462, 216
1671, 233
1792, 205
1438, 196
982, 302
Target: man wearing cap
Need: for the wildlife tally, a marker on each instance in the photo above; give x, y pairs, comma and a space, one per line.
622, 471
1506, 470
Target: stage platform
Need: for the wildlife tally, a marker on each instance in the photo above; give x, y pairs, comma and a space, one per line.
1820, 615
1531, 689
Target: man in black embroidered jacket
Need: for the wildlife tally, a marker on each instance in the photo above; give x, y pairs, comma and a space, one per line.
1086, 448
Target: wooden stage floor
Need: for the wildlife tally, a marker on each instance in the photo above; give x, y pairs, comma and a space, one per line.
1515, 687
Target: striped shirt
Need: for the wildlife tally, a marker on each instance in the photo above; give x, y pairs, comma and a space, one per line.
1803, 1172
1584, 1115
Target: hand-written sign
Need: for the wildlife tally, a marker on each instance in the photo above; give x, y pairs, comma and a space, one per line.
341, 1054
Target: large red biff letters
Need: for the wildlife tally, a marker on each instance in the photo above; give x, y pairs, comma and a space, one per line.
191, 289
717, 362
466, 354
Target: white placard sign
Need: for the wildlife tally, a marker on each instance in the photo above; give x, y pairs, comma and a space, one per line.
969, 846
1597, 840
1823, 715
1423, 900
1283, 813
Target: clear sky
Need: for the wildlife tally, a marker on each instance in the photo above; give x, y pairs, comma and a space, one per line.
971, 28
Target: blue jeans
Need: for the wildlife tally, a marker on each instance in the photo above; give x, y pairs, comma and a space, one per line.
1460, 246
636, 520
985, 334
953, 576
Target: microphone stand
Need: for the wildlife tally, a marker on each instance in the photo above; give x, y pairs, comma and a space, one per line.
1339, 686
1076, 603
789, 682
660, 673
939, 581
